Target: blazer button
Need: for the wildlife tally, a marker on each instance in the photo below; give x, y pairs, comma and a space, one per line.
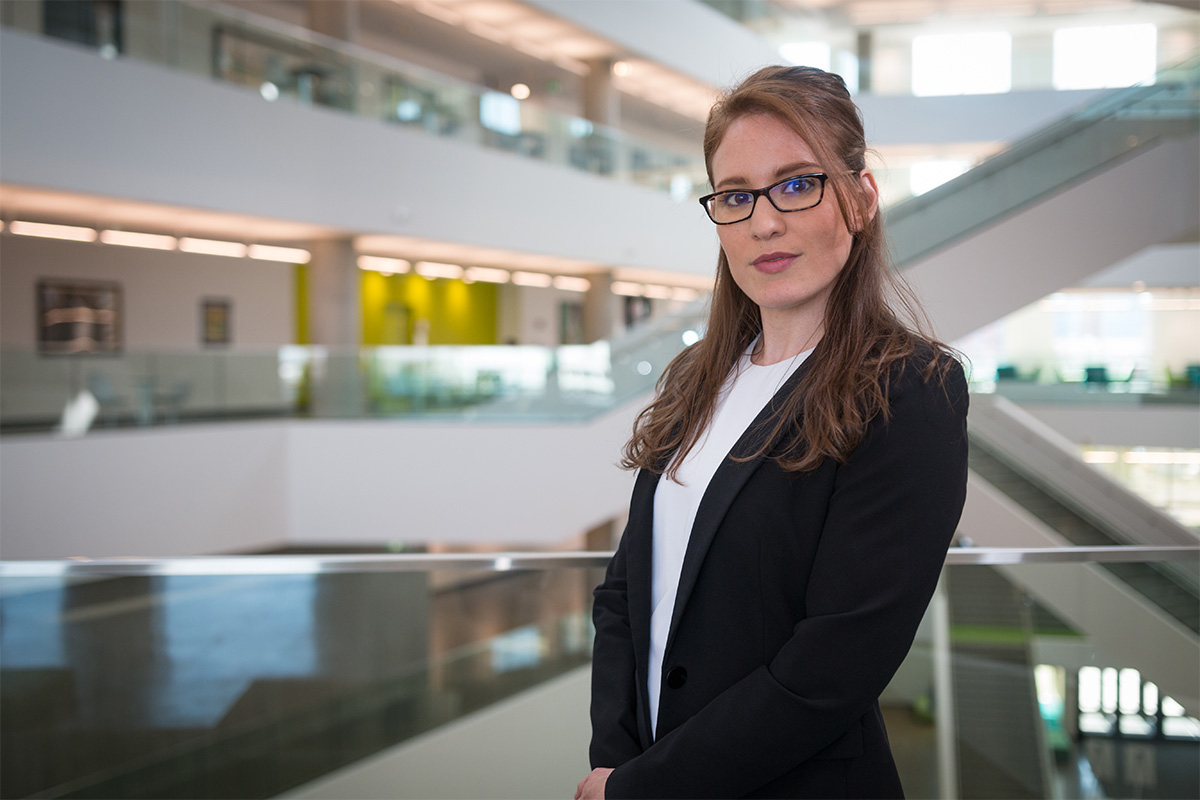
677, 677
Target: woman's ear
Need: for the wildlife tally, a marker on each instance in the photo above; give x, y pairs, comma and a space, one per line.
870, 193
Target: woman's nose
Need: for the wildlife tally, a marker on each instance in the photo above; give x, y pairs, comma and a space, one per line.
766, 221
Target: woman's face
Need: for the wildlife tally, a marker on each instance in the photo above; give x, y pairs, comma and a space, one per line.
786, 262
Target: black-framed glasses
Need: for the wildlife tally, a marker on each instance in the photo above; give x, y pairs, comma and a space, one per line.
796, 193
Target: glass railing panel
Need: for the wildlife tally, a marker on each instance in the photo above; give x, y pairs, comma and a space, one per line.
1031, 675
245, 685
567, 383
286, 62
996, 697
1112, 128
1024, 640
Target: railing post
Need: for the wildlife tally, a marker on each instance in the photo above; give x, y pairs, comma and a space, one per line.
943, 689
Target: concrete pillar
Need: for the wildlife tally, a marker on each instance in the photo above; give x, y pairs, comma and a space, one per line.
336, 18
325, 84
335, 294
25, 15
335, 322
601, 103
600, 308
863, 46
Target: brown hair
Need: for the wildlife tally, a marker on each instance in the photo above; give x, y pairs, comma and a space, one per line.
845, 383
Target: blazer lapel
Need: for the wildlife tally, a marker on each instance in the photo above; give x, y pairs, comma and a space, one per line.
639, 566
728, 480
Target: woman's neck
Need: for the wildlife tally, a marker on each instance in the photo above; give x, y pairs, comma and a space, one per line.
780, 342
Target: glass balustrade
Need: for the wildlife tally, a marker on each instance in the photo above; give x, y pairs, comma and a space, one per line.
1032, 675
288, 63
505, 382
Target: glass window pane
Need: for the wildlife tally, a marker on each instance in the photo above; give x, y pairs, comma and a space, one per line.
1108, 690
1131, 691
926, 175
1089, 689
963, 63
808, 54
1150, 699
1106, 56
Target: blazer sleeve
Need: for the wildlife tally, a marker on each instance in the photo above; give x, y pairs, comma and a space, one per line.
891, 515
614, 671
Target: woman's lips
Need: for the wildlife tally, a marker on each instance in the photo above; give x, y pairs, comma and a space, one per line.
771, 263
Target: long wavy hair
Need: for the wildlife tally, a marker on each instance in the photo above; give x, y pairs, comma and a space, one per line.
872, 321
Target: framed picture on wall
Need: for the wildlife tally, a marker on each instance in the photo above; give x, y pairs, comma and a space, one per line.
215, 313
79, 316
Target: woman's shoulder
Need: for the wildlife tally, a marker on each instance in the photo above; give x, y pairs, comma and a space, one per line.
930, 376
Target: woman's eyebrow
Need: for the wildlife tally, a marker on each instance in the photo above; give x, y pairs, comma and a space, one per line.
797, 168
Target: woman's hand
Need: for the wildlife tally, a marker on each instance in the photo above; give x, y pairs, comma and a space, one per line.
592, 787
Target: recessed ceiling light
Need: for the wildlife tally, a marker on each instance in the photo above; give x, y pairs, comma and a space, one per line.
46, 230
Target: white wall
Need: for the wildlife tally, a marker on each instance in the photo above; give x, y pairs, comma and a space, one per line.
424, 481
232, 487
161, 292
703, 43
903, 119
155, 493
165, 137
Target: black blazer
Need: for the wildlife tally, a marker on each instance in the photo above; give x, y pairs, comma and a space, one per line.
798, 599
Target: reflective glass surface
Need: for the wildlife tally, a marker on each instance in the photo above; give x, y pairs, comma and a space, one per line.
254, 676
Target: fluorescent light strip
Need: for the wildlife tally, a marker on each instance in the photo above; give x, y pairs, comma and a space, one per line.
288, 255
658, 292
627, 288
571, 284
1100, 457
212, 247
383, 264
486, 275
436, 269
45, 230
539, 279
150, 241
684, 294
437, 12
1161, 458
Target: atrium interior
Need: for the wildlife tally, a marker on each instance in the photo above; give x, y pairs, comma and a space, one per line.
297, 296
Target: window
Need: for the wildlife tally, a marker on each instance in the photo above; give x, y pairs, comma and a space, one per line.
962, 63
926, 175
1103, 57
809, 54
500, 112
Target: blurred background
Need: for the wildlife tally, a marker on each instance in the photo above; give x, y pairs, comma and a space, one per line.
300, 298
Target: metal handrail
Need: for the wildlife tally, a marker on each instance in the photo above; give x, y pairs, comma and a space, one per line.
508, 561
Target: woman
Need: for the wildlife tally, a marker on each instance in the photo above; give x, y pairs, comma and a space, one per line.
802, 470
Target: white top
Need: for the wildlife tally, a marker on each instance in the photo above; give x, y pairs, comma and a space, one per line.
747, 390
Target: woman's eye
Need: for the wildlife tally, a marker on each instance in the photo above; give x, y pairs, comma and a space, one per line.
802, 185
735, 199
